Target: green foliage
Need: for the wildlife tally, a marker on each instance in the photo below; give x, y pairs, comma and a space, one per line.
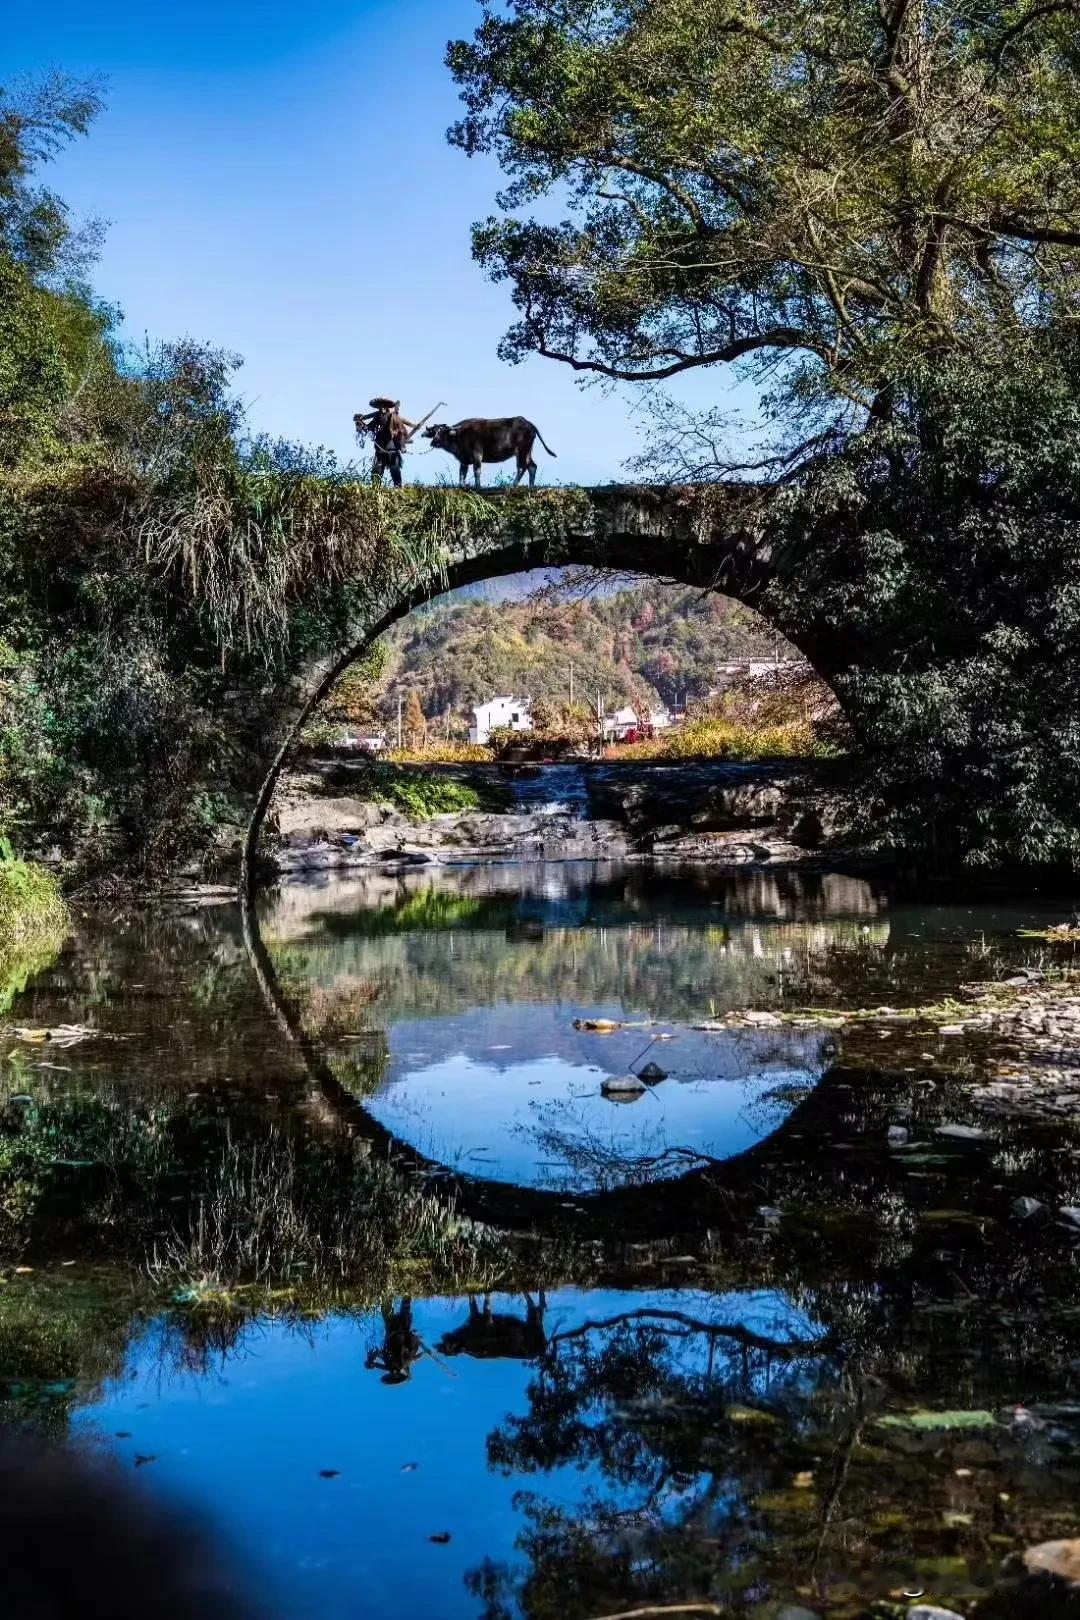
718, 214
418, 793
939, 579
37, 120
32, 908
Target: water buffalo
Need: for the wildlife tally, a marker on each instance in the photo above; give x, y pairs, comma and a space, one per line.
482, 438
496, 1335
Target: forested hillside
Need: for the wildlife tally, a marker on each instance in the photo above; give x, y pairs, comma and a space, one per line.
664, 639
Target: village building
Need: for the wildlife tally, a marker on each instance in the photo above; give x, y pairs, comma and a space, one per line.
624, 724
499, 714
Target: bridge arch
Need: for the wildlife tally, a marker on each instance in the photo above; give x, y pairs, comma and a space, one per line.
712, 538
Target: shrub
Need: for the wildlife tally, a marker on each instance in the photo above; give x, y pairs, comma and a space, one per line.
32, 907
418, 793
436, 752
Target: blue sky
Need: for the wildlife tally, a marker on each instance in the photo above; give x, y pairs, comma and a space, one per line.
277, 181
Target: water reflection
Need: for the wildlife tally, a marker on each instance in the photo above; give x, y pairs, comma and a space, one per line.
461, 1005
350, 1488
225, 1281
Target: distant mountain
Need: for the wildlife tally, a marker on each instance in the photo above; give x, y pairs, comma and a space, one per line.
657, 640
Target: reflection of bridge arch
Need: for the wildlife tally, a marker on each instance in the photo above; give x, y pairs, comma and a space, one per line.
706, 537
703, 1195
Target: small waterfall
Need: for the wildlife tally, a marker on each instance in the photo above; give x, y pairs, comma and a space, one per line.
552, 790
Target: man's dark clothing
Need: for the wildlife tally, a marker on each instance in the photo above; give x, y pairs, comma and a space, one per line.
389, 435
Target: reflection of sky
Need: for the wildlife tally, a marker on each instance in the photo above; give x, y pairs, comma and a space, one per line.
512, 1092
245, 1444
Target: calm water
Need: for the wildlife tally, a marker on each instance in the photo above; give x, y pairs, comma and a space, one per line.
718, 1314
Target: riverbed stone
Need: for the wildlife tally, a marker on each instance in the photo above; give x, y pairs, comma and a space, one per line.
931, 1611
1060, 1558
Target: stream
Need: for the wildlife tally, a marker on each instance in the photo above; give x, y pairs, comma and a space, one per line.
356, 1246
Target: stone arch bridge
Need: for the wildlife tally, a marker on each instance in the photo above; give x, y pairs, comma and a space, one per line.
713, 537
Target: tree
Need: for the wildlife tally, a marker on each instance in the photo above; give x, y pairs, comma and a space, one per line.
415, 723
36, 121
819, 191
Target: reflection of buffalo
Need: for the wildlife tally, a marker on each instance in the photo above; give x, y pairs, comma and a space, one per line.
481, 438
496, 1335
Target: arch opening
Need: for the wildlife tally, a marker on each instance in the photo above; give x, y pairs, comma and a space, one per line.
740, 575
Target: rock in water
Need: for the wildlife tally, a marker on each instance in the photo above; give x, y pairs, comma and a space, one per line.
962, 1133
624, 1088
1060, 1558
1025, 1207
652, 1074
930, 1611
898, 1135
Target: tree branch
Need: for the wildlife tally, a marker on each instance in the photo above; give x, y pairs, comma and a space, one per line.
790, 1348
781, 337
1036, 14
1007, 225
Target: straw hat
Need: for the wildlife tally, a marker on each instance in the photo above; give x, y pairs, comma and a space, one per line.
381, 403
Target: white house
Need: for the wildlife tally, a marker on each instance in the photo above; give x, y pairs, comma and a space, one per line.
498, 714
621, 722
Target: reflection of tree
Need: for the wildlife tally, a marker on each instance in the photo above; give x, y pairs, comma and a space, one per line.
741, 1462
666, 1411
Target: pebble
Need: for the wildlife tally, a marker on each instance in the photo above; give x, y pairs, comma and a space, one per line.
1061, 1558
898, 1135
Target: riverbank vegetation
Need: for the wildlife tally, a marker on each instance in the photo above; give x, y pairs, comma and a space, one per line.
32, 907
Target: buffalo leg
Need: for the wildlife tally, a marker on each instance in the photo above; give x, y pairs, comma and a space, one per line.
478, 462
532, 472
463, 472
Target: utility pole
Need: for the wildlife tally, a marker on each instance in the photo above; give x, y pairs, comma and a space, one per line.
400, 706
571, 686
600, 724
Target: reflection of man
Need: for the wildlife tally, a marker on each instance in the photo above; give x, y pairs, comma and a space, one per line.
391, 432
400, 1347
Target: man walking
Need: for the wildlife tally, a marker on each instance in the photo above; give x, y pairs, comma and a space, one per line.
391, 432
